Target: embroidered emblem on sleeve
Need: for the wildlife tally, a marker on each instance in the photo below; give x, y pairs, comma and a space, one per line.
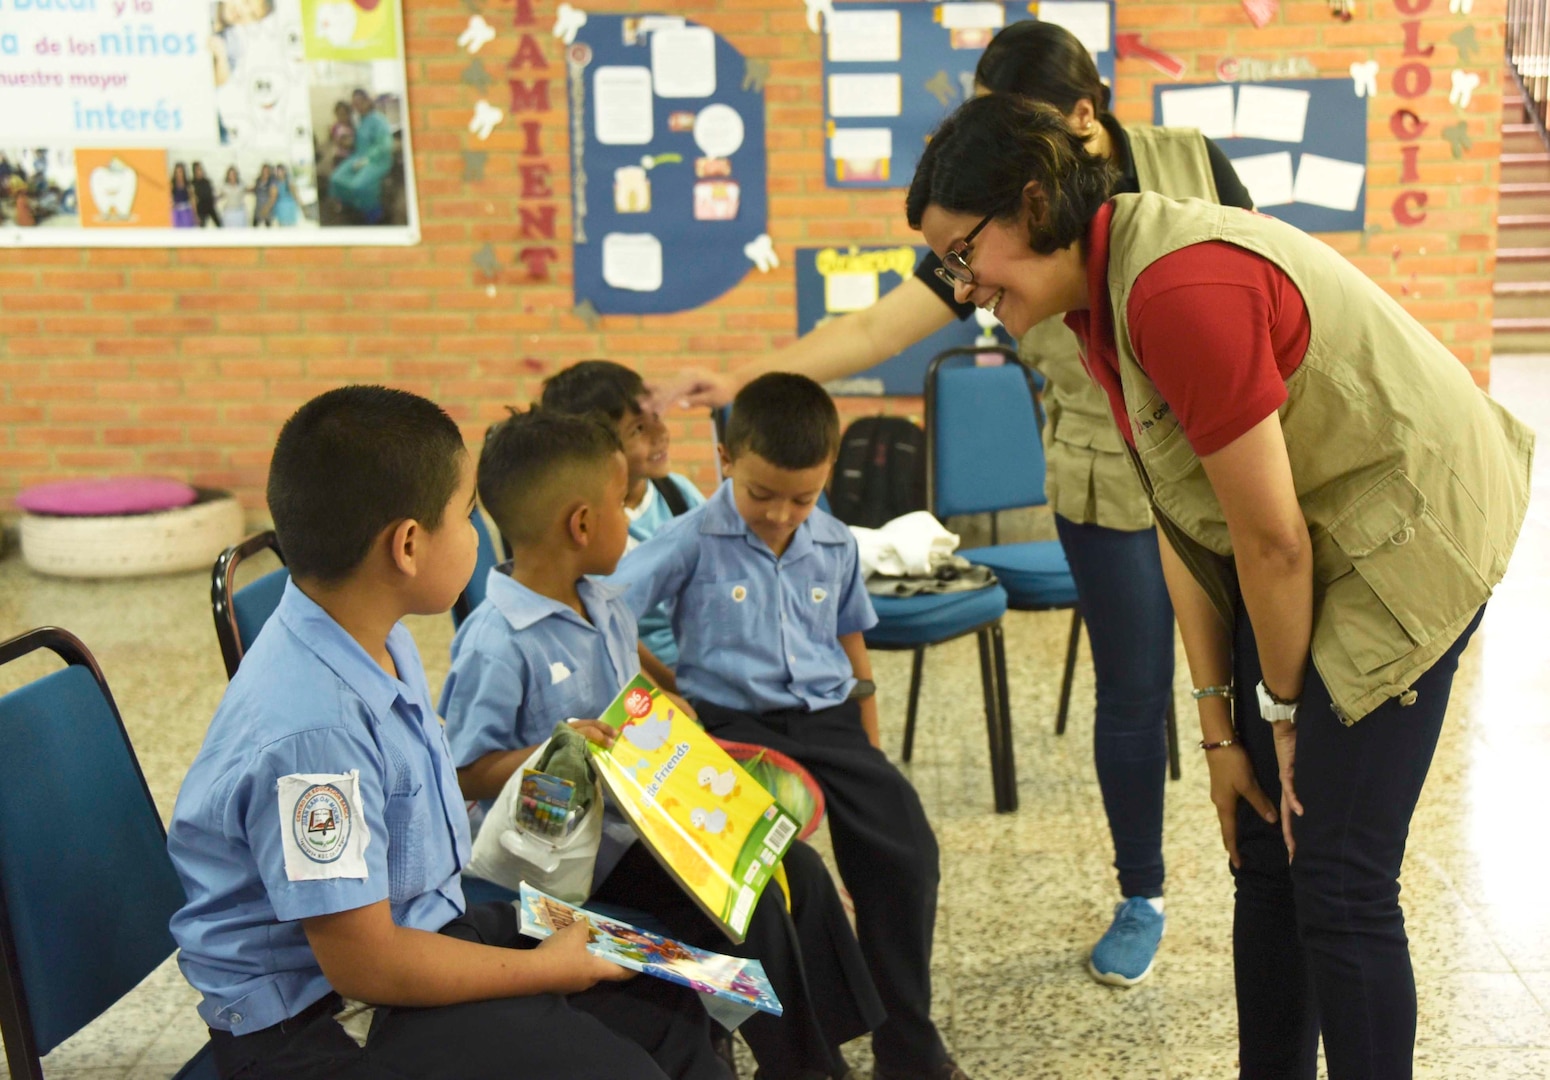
322, 832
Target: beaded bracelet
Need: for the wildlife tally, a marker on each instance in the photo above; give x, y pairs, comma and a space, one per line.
1212, 691
1218, 745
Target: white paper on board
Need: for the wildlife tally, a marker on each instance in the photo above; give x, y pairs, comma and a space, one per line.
863, 36
1271, 112
1329, 182
1208, 108
683, 62
865, 95
632, 261
650, 24
718, 130
849, 292
621, 110
1267, 176
975, 16
1088, 21
861, 144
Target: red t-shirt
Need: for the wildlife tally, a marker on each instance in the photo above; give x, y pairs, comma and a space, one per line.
1217, 328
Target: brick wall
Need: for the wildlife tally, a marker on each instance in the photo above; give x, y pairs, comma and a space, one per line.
184, 362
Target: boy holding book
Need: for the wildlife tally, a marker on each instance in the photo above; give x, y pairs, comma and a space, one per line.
550, 644
320, 831
770, 610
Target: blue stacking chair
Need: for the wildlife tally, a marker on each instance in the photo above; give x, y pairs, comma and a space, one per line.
473, 593
241, 613
86, 885
985, 454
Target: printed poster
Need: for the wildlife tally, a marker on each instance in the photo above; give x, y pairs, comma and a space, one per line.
192, 123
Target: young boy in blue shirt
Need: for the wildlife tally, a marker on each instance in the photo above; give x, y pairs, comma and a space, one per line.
320, 831
771, 608
549, 644
616, 395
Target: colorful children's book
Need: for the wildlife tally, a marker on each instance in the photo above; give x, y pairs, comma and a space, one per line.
731, 987
710, 824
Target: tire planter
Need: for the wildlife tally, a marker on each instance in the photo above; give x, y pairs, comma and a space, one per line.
132, 545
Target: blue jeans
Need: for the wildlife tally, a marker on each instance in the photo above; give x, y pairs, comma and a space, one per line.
1124, 601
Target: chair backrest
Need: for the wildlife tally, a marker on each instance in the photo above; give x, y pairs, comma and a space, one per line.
984, 452
473, 593
86, 886
241, 613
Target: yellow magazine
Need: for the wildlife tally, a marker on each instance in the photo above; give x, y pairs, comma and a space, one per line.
714, 828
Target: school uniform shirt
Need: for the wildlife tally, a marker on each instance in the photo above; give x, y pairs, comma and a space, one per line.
324, 784
656, 626
522, 662
755, 633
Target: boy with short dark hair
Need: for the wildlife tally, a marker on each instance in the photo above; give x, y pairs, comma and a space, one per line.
616, 395
549, 644
320, 831
771, 609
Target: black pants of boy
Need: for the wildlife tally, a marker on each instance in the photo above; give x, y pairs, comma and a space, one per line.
887, 856
1319, 944
809, 953
643, 1029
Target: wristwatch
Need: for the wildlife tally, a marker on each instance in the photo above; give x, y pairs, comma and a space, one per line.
864, 688
1273, 708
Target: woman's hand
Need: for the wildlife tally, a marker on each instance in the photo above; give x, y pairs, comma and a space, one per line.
596, 732
1286, 755
1232, 778
575, 969
695, 388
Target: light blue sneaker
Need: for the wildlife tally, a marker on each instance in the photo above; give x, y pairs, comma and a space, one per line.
1124, 955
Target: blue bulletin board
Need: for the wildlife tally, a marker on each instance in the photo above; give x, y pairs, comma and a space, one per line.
1299, 145
834, 280
894, 71
667, 164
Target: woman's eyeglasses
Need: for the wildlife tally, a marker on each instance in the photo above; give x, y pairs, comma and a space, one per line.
955, 261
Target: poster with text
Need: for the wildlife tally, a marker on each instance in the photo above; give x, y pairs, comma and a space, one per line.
204, 123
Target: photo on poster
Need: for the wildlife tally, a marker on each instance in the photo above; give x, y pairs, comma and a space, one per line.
358, 124
38, 188
208, 123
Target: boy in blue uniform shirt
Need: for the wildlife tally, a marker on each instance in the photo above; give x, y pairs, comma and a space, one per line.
771, 608
549, 644
614, 394
320, 831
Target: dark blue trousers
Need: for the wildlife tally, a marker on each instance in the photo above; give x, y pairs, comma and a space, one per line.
1319, 945
1124, 602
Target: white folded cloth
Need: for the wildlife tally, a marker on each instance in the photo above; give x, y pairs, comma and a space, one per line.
908, 546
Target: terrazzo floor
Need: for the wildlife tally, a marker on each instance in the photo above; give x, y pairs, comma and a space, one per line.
1023, 895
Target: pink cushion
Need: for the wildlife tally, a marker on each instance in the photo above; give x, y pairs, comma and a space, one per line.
115, 495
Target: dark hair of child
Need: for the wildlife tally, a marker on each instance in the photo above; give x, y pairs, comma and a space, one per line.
527, 461
788, 420
351, 462
599, 387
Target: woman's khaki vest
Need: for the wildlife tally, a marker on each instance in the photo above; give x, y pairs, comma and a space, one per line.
1089, 479
1413, 482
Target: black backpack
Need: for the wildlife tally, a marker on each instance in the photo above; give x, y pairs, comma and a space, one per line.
671, 494
881, 472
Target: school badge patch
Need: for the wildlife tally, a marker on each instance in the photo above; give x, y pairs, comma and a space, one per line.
322, 831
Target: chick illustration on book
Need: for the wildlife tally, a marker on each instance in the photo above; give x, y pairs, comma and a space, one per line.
712, 821
722, 784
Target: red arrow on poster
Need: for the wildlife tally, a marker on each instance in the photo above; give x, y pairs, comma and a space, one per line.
1130, 46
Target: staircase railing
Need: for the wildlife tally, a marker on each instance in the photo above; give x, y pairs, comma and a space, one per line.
1528, 54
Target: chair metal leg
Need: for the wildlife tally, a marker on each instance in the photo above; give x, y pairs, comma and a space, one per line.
992, 716
1065, 685
916, 665
1173, 739
1008, 802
